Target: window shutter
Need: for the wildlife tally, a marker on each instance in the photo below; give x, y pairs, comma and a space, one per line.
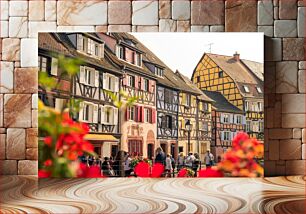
136, 82
54, 66
101, 50
221, 118
235, 119
116, 84
222, 135
183, 98
173, 122
82, 74
111, 115
115, 112
80, 42
142, 113
96, 78
153, 116
138, 113
105, 81
124, 80
81, 111
89, 46
243, 120
95, 113
142, 83
127, 116
102, 109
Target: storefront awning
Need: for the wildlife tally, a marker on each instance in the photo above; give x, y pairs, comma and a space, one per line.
101, 137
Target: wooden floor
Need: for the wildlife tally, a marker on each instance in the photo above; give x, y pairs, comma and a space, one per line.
135, 195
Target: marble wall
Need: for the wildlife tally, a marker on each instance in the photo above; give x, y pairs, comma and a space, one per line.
282, 21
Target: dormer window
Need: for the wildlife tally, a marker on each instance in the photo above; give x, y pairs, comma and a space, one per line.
220, 74
138, 59
259, 90
90, 46
120, 52
159, 72
246, 89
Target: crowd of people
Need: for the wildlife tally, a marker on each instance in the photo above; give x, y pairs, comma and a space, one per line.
110, 166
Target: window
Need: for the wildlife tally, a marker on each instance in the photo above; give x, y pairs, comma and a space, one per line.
261, 126
198, 78
120, 52
246, 89
146, 85
89, 76
159, 71
226, 118
131, 81
188, 100
135, 147
246, 105
131, 112
168, 122
226, 136
97, 49
259, 104
248, 126
43, 63
220, 74
108, 115
259, 90
204, 126
138, 59
238, 119
168, 96
205, 106
87, 112
147, 115
255, 126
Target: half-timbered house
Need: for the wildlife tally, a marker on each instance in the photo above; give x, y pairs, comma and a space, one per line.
241, 83
194, 109
50, 47
138, 122
96, 81
227, 121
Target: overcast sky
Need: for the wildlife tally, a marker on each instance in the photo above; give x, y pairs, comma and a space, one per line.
182, 51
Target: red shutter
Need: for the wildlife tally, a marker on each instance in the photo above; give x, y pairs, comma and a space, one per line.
153, 115
142, 114
124, 81
141, 83
151, 83
138, 111
136, 82
127, 114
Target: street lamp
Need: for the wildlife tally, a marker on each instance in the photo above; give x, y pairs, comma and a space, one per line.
188, 127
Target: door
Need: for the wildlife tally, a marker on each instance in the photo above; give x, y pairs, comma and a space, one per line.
164, 147
114, 150
150, 151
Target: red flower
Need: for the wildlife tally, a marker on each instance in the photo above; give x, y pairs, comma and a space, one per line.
87, 147
210, 172
157, 170
89, 172
43, 173
239, 138
182, 173
48, 141
142, 169
48, 163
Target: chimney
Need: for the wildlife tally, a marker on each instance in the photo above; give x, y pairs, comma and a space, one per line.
237, 56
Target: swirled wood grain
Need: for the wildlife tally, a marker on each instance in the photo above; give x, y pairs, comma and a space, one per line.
27, 194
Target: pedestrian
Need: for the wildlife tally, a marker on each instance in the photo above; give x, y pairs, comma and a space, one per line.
180, 161
106, 168
160, 156
189, 160
168, 166
209, 158
196, 164
127, 164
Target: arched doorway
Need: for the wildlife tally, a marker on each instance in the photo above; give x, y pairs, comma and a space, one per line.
150, 144
150, 151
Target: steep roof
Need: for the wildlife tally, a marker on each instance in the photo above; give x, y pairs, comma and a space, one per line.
169, 79
200, 93
60, 43
221, 103
242, 74
255, 67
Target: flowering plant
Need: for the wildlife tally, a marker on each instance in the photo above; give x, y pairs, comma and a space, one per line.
185, 172
144, 169
62, 144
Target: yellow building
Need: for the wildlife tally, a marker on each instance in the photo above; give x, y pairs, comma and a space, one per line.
241, 83
194, 109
